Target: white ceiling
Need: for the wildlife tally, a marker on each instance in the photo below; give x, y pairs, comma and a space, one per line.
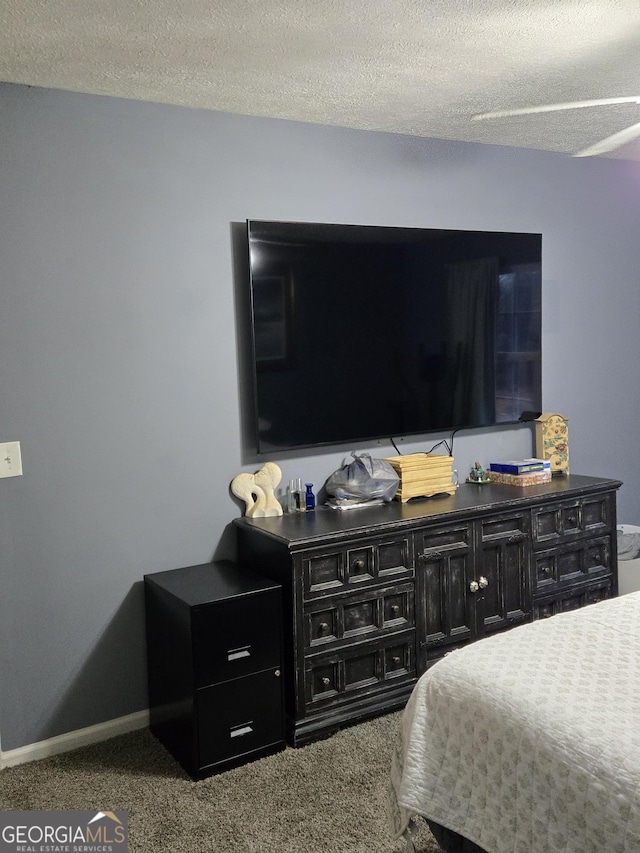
419, 67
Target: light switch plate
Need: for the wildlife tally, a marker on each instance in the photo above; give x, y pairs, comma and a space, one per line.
10, 459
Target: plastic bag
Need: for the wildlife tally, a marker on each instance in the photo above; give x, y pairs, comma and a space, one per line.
364, 479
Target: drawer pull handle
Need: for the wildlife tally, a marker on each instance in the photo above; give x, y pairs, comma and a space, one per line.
326, 681
241, 731
396, 660
395, 609
432, 554
238, 654
324, 627
358, 565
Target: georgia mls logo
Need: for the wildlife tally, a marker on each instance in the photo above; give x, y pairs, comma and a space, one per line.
63, 832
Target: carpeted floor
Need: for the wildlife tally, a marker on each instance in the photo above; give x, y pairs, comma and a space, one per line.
328, 797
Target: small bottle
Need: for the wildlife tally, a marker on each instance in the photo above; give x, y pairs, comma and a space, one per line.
296, 496
300, 496
309, 498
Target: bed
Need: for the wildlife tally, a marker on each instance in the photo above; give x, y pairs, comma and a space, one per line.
529, 741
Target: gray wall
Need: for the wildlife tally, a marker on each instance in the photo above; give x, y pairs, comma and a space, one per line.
118, 360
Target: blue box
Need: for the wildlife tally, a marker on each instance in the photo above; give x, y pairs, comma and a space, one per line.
520, 466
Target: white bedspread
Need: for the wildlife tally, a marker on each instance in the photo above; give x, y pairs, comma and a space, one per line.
529, 741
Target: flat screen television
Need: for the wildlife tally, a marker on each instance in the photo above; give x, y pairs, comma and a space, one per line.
364, 332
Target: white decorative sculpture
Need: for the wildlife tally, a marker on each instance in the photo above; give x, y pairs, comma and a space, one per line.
267, 479
257, 491
244, 487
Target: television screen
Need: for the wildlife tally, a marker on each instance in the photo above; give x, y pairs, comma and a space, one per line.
368, 332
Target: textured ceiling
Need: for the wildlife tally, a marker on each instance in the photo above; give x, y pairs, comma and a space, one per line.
419, 67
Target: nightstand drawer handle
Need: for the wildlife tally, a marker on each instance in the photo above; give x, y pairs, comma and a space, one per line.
240, 731
238, 654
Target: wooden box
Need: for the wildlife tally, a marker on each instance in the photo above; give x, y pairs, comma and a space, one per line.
423, 475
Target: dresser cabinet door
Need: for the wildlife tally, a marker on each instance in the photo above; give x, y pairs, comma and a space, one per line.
502, 569
445, 611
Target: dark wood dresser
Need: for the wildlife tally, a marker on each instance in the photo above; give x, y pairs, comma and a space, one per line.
374, 596
214, 653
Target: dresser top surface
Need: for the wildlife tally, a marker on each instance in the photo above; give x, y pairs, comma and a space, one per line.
303, 528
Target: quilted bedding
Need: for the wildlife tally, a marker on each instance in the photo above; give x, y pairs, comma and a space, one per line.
529, 741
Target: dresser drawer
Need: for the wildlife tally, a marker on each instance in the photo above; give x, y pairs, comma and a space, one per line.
236, 638
451, 540
566, 565
346, 568
361, 669
572, 599
347, 618
569, 519
239, 717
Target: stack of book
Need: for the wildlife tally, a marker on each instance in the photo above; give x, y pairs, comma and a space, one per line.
423, 475
521, 472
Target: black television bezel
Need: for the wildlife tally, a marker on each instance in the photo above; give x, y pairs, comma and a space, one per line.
264, 449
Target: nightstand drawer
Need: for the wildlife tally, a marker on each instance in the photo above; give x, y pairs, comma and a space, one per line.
240, 717
236, 638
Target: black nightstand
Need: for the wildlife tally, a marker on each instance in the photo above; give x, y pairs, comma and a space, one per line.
214, 655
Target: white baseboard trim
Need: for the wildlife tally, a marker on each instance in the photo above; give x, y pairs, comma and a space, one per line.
74, 739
